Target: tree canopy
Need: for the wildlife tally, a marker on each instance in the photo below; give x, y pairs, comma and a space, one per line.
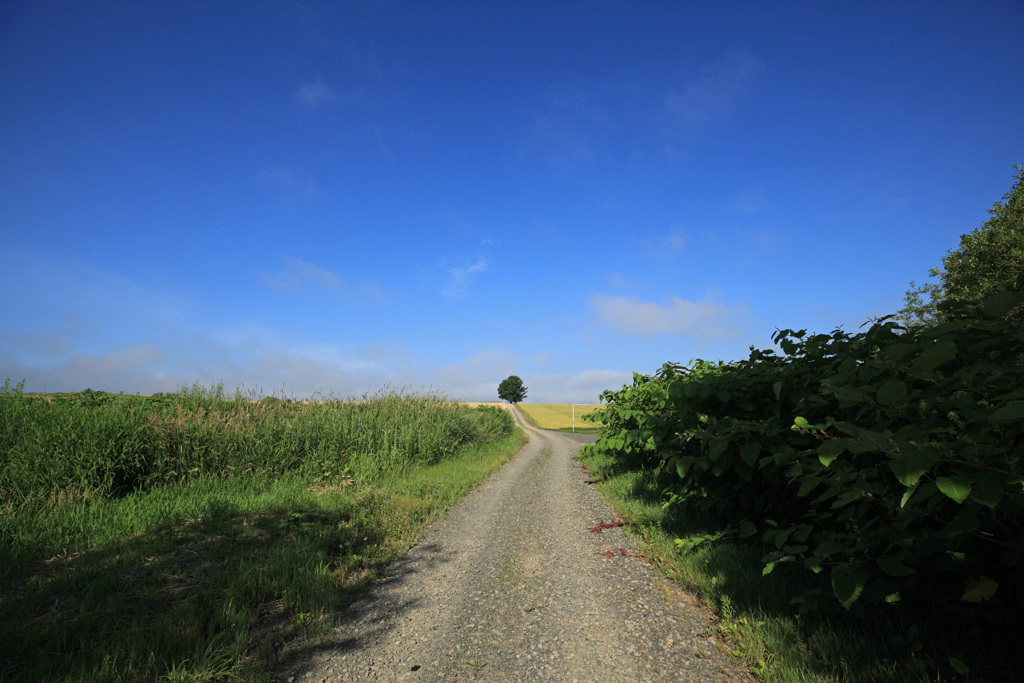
990, 259
511, 389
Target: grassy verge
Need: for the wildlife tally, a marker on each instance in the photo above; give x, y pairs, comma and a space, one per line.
222, 574
755, 616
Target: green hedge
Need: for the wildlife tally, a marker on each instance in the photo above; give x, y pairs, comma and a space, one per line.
891, 460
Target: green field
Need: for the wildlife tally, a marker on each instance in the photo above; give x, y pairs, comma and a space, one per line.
559, 416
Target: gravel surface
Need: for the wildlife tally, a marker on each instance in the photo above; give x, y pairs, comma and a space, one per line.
512, 585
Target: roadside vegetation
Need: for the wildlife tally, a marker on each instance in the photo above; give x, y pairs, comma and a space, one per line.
200, 537
851, 504
559, 416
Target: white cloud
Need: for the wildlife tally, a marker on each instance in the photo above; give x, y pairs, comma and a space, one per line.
262, 363
712, 95
300, 277
131, 369
703, 319
259, 364
459, 278
582, 387
143, 340
476, 378
253, 362
296, 375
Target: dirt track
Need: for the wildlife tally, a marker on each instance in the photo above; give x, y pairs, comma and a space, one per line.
512, 585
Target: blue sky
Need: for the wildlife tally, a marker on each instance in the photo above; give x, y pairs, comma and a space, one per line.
306, 197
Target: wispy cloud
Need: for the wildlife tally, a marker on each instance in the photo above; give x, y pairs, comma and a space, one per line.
585, 386
565, 133
79, 294
299, 375
316, 93
766, 240
712, 95
260, 365
129, 368
460, 277
703, 319
670, 245
300, 277
260, 362
748, 203
476, 378
619, 282
38, 343
292, 185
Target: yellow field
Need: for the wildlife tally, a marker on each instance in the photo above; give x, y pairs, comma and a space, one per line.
559, 415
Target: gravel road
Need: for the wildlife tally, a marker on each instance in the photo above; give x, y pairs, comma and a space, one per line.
512, 585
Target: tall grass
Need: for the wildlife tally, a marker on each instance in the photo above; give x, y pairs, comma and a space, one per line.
199, 537
72, 446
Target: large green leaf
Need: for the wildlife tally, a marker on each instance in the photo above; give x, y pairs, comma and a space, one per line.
893, 566
909, 466
1018, 393
847, 584
907, 494
807, 485
681, 467
875, 440
957, 487
891, 392
959, 666
747, 529
933, 356
830, 449
1002, 303
717, 447
898, 351
988, 491
846, 498
749, 452
1011, 412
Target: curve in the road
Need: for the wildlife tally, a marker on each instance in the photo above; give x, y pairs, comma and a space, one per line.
512, 585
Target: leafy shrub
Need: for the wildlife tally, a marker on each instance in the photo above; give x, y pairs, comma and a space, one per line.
891, 460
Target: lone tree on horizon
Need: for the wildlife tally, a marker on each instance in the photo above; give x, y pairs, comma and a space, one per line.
511, 389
